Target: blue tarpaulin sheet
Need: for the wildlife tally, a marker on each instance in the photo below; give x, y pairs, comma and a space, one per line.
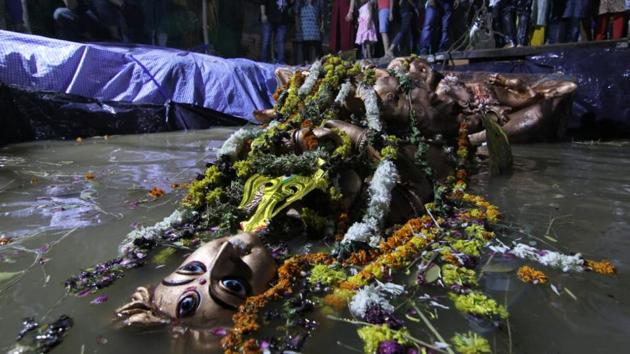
136, 74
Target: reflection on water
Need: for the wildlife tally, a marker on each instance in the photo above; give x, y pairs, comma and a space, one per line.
569, 196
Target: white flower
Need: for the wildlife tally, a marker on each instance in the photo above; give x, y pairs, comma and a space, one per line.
156, 231
343, 93
549, 258
374, 295
234, 144
311, 79
367, 230
372, 114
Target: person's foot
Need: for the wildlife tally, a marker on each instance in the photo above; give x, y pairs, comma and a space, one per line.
509, 45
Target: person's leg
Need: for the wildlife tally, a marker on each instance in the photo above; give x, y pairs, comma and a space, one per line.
524, 13
496, 26
109, 17
447, 13
265, 41
15, 15
281, 33
573, 31
383, 26
430, 18
618, 22
405, 27
507, 23
602, 27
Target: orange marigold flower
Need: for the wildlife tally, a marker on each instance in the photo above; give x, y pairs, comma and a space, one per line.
307, 123
89, 176
602, 267
461, 174
335, 301
310, 141
530, 275
156, 192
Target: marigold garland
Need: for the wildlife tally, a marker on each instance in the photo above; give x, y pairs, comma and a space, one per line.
530, 275
246, 318
601, 267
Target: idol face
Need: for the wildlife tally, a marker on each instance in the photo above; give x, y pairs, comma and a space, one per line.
207, 288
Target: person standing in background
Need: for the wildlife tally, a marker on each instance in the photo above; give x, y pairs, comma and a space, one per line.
309, 22
275, 20
89, 20
14, 15
342, 26
436, 10
611, 11
385, 16
574, 12
154, 21
511, 12
366, 34
407, 11
540, 11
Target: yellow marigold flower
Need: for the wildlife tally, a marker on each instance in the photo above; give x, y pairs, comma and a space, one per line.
603, 267
530, 275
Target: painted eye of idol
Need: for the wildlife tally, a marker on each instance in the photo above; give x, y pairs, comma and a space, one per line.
236, 286
192, 268
188, 304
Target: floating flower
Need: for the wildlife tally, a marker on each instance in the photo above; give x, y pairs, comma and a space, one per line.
374, 295
603, 267
453, 275
372, 336
530, 275
470, 343
326, 275
156, 192
99, 300
478, 304
390, 347
549, 258
89, 176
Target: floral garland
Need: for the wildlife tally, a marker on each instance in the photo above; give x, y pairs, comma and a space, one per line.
372, 112
245, 319
233, 146
311, 79
383, 182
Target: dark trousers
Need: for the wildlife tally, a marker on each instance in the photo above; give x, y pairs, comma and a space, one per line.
431, 19
510, 11
311, 50
280, 32
404, 32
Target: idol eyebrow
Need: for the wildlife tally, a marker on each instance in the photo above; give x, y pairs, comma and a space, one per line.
177, 283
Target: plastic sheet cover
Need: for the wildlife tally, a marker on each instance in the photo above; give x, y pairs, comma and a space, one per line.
136, 74
38, 115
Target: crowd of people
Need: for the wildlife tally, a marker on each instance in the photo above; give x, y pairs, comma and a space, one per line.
400, 27
374, 27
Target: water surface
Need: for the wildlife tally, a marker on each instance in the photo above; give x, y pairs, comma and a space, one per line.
576, 194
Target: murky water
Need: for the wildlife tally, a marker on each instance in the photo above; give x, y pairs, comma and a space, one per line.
47, 204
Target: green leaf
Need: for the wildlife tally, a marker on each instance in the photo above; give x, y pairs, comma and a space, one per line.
432, 274
4, 276
162, 256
